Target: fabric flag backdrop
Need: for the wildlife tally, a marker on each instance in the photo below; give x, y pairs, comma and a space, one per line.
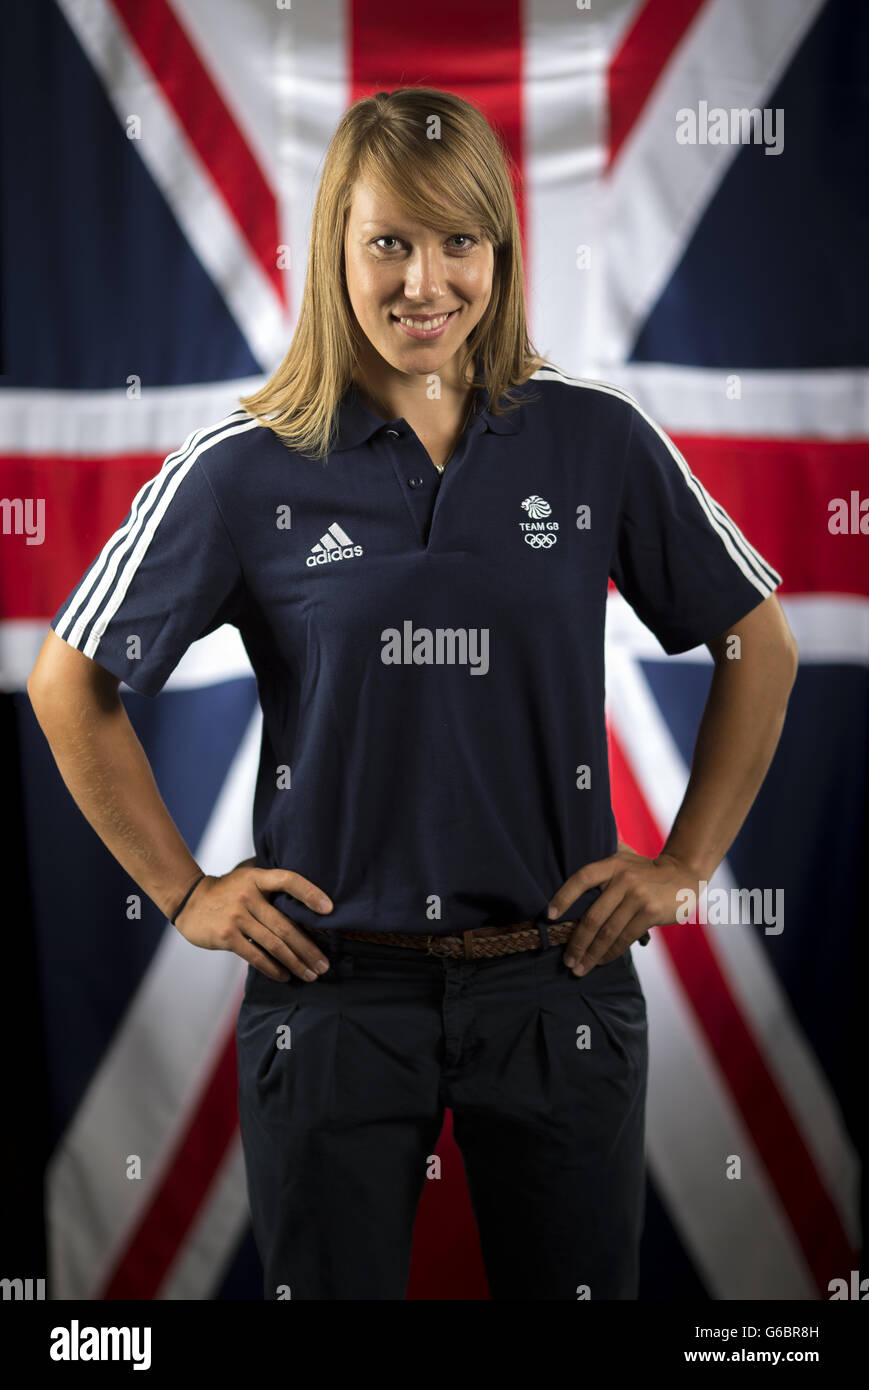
158, 184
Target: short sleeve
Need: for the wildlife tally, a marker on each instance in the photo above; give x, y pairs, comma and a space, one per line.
681, 562
168, 576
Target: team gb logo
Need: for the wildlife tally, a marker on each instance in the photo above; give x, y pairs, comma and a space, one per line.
538, 532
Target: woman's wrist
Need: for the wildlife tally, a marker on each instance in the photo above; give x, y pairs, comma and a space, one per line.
185, 899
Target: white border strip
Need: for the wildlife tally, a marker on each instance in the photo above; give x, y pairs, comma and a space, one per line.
830, 630
794, 405
820, 404
97, 424
219, 657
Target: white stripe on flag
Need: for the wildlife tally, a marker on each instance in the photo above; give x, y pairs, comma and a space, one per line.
823, 404
210, 1244
152, 1074
106, 424
186, 184
564, 96
692, 1121
732, 55
735, 1233
235, 41
309, 56
830, 630
662, 776
220, 656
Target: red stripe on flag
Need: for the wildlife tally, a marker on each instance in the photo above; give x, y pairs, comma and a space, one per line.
778, 491
153, 1247
799, 1188
476, 53
210, 126
644, 52
85, 500
447, 1259
473, 52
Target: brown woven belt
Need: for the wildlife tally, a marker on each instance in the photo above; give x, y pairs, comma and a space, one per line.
476, 943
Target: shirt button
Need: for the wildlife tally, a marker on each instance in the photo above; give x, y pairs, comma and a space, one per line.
415, 482
393, 434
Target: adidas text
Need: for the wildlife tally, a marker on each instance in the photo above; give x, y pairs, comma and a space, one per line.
325, 557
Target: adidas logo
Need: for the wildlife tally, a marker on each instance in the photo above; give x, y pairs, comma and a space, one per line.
334, 544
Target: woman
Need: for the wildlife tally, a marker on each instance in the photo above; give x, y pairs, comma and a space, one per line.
439, 912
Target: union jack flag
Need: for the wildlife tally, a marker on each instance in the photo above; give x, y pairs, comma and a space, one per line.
159, 185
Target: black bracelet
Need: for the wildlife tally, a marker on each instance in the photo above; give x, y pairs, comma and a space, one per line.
186, 896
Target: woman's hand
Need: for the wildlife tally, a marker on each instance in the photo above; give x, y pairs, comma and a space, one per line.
231, 913
639, 893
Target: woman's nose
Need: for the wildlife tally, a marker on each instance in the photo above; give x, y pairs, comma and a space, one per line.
424, 278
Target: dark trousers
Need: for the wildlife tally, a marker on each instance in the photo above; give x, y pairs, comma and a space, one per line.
342, 1089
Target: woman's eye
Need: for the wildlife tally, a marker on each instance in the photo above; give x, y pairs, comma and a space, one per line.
457, 236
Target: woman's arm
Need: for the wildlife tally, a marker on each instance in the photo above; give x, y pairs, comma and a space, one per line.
102, 762
104, 766
738, 734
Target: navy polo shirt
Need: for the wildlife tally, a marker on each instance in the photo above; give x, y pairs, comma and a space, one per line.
429, 650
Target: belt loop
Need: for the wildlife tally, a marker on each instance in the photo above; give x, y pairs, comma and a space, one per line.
544, 935
469, 945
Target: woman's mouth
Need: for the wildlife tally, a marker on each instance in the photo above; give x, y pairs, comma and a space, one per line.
416, 328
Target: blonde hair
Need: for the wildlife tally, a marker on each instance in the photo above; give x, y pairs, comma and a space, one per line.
467, 171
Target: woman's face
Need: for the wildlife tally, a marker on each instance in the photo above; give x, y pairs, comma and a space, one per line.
397, 268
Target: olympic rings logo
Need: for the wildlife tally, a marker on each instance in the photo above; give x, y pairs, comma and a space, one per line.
540, 540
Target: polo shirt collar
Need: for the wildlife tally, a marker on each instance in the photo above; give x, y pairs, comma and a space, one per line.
357, 422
